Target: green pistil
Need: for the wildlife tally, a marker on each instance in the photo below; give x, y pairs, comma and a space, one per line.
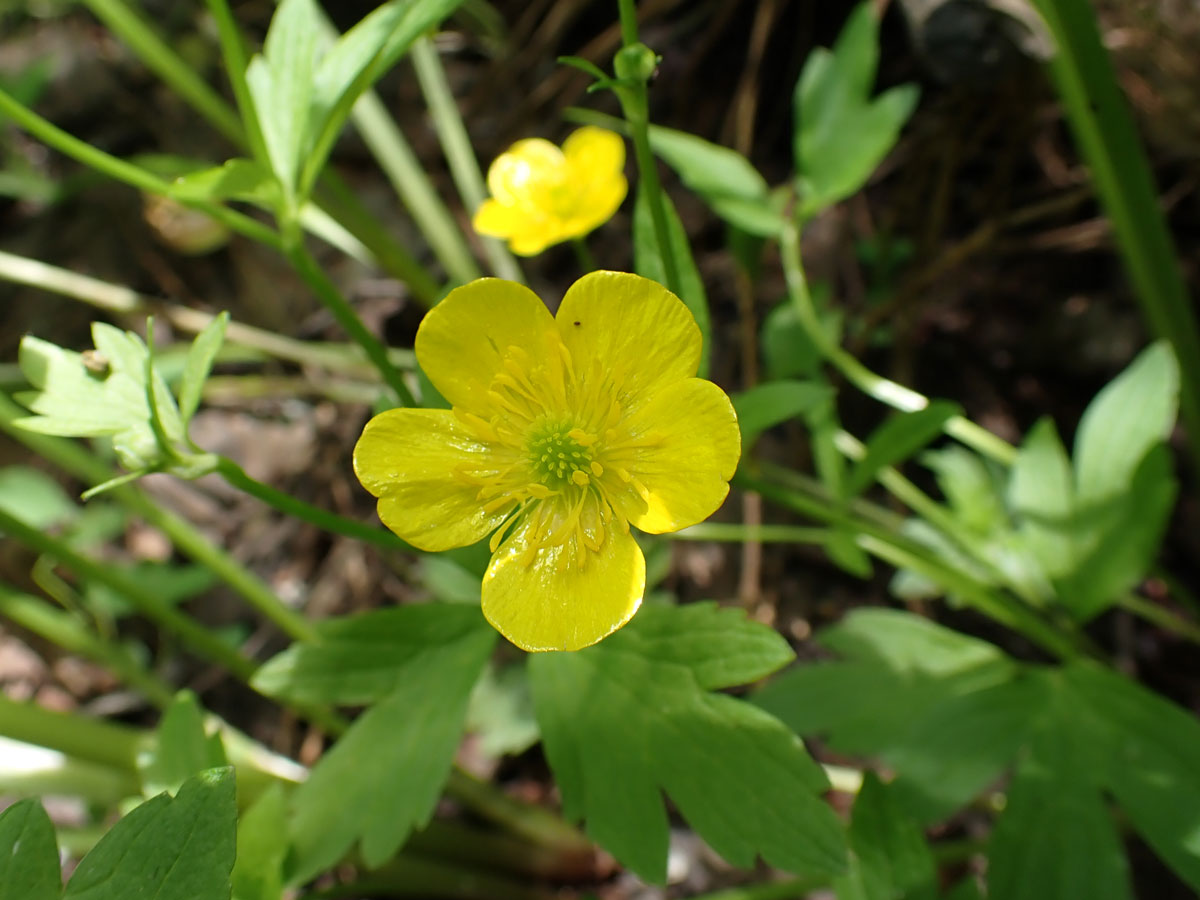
556, 456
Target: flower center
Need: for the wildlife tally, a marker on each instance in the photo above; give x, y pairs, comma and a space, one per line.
561, 454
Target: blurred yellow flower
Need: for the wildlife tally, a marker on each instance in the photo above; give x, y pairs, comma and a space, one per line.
564, 432
542, 195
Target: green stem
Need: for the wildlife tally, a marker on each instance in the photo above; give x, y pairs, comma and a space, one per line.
80, 737
120, 300
233, 50
146, 602
346, 209
65, 631
882, 389
936, 515
534, 823
346, 317
583, 255
487, 848
74, 459
900, 552
634, 64
164, 62
456, 144
1109, 141
766, 534
627, 10
128, 173
115, 748
408, 179
160, 58
286, 503
1160, 616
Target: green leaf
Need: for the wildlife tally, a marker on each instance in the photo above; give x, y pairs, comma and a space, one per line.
723, 178
1135, 411
449, 581
261, 848
384, 776
34, 497
360, 659
788, 351
371, 47
970, 486
236, 179
767, 405
281, 84
961, 744
500, 714
28, 854
889, 856
1150, 761
173, 848
200, 358
1055, 837
73, 401
171, 583
103, 393
1124, 535
840, 134
897, 439
358, 59
720, 646
967, 889
648, 262
632, 717
182, 748
1042, 495
896, 667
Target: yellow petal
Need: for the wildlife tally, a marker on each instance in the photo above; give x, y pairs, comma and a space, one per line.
597, 204
407, 458
690, 450
523, 173
462, 341
631, 326
549, 602
496, 220
594, 153
534, 236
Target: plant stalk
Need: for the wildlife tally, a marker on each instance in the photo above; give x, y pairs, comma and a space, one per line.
882, 389
456, 144
1124, 182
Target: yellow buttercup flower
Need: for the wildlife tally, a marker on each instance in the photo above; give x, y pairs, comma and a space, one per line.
542, 195
564, 432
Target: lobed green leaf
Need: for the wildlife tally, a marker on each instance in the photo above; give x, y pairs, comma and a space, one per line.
889, 856
1055, 837
28, 854
360, 659
384, 775
722, 177
174, 848
840, 134
632, 716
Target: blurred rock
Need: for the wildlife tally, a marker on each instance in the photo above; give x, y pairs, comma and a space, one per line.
977, 42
